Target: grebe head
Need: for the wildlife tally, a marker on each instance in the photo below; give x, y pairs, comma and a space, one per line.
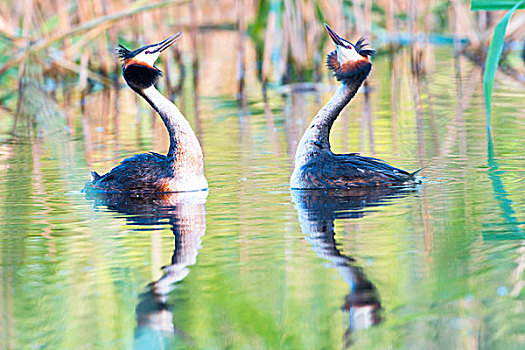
349, 62
139, 65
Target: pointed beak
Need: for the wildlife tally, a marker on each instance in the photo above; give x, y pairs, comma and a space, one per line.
167, 43
336, 38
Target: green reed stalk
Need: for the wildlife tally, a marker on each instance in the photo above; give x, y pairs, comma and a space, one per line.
495, 48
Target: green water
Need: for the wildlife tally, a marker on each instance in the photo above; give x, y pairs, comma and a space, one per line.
251, 265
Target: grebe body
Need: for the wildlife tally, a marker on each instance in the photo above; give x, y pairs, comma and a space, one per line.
316, 166
182, 169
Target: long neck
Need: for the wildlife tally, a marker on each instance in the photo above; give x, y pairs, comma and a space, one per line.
318, 132
184, 146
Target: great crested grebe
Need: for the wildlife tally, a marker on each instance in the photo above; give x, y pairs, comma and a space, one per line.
316, 166
182, 169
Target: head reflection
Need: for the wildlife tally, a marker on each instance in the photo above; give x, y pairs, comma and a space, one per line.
186, 215
317, 210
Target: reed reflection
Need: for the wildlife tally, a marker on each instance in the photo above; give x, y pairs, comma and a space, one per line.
186, 215
317, 211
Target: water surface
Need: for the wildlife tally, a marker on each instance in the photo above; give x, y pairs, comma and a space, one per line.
252, 265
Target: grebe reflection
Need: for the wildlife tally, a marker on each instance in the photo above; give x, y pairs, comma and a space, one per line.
186, 215
317, 210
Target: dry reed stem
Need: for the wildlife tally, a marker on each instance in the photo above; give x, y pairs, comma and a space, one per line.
465, 23
73, 67
104, 20
269, 36
241, 64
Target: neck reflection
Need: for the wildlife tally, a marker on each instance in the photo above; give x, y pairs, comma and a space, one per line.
317, 211
186, 215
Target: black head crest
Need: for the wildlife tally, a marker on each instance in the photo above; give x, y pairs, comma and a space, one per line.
123, 53
359, 47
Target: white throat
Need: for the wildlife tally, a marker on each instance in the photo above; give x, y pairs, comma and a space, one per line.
148, 58
347, 55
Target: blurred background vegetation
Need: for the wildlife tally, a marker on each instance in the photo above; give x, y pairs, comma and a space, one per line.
249, 75
71, 44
